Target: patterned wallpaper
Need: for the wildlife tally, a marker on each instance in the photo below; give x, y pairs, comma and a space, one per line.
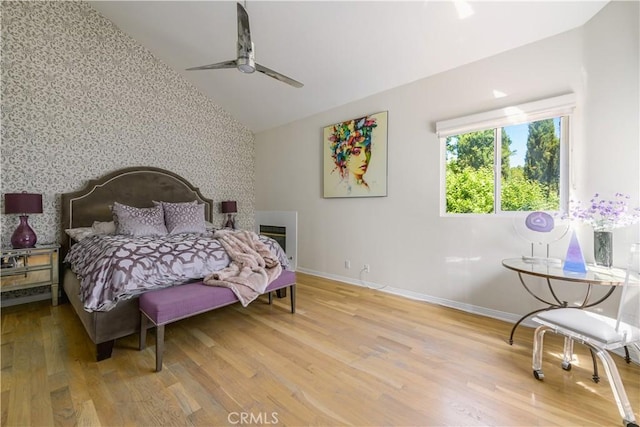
80, 98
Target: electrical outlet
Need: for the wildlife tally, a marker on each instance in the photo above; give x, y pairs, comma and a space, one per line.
347, 264
366, 268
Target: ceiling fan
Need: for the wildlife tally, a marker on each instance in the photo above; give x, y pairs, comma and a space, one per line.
246, 58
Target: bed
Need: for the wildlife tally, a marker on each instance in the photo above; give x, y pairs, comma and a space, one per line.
137, 187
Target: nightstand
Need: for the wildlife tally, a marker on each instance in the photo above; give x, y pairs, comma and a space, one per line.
30, 268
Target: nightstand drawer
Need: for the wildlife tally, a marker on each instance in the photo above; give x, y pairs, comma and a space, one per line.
40, 259
31, 260
29, 278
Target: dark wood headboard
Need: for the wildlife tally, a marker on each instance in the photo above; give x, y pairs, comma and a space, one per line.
136, 186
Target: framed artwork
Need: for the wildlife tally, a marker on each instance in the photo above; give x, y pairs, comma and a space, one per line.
355, 157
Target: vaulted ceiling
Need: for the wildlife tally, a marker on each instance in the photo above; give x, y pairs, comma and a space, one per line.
342, 51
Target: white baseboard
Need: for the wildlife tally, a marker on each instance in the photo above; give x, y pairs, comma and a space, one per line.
469, 308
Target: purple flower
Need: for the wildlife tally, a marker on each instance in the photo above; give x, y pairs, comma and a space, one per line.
605, 215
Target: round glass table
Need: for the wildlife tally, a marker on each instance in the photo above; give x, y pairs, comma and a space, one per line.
552, 270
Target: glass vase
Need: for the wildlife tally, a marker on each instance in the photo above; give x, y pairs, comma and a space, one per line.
603, 248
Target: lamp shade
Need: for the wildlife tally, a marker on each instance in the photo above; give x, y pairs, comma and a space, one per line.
229, 207
22, 203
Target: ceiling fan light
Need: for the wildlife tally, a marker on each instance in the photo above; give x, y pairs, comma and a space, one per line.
246, 65
246, 68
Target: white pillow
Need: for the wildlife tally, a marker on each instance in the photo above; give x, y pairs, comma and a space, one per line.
98, 228
80, 233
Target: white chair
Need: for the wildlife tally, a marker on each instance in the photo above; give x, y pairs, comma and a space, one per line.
600, 333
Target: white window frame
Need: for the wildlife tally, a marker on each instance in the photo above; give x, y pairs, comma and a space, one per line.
560, 106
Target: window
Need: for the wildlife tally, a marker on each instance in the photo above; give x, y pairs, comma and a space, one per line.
513, 159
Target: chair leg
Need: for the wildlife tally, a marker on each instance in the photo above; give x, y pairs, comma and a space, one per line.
596, 376
538, 341
567, 356
636, 348
624, 407
293, 297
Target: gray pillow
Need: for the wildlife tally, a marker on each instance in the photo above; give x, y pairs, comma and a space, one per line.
100, 227
138, 221
184, 217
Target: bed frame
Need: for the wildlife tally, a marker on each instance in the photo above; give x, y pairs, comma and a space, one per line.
136, 186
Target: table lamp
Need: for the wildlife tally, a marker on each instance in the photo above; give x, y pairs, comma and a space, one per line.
230, 208
23, 203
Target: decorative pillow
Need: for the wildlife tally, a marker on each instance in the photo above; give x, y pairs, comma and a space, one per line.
193, 202
138, 221
209, 226
100, 227
79, 233
184, 217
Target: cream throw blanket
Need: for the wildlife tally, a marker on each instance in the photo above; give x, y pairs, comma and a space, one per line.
252, 267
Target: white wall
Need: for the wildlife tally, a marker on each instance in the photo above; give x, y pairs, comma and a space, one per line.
612, 107
456, 261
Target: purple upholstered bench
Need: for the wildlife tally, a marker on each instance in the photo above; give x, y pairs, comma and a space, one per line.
179, 302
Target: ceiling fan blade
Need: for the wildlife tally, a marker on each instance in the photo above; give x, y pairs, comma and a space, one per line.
219, 65
276, 75
244, 33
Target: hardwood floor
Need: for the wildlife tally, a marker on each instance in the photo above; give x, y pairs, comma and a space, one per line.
349, 356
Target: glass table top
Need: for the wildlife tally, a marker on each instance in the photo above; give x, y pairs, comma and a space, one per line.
595, 274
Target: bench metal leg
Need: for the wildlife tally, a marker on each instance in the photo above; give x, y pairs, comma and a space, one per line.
292, 293
144, 321
143, 332
159, 346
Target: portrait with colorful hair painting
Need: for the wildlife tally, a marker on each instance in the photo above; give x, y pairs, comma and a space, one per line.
355, 157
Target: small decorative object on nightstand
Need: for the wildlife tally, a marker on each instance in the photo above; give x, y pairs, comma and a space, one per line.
23, 203
25, 268
230, 208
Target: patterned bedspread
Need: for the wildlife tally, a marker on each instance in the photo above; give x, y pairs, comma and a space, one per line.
116, 267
